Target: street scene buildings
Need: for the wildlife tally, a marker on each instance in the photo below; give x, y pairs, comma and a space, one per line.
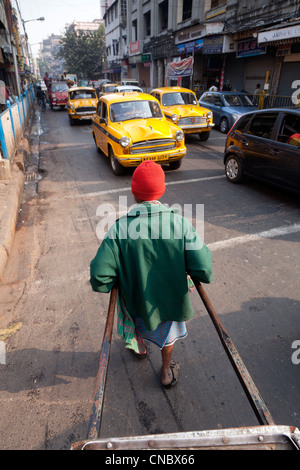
197, 43
228, 162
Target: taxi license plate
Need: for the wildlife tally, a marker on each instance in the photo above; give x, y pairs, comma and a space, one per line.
85, 117
155, 157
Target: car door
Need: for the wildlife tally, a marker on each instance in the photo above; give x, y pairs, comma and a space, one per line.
286, 151
210, 101
256, 144
99, 124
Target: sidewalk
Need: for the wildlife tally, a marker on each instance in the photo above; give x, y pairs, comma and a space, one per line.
10, 197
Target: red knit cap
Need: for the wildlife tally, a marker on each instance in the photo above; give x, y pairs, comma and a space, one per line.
148, 181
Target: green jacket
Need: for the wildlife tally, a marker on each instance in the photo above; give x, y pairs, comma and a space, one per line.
149, 252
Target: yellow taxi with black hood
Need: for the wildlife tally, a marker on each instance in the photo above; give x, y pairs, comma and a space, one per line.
82, 103
130, 127
180, 105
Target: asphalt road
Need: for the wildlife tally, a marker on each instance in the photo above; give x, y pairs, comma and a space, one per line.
47, 381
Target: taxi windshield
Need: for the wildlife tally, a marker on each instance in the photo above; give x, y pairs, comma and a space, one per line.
82, 94
126, 110
175, 98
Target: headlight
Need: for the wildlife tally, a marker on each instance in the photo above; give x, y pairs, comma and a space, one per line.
174, 117
235, 116
124, 141
209, 115
179, 136
72, 106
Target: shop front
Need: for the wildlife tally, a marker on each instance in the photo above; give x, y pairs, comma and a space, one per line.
286, 43
139, 64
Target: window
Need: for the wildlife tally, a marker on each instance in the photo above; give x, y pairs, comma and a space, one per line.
262, 125
82, 94
163, 15
289, 132
147, 24
171, 99
187, 9
217, 3
104, 111
243, 122
134, 30
207, 98
128, 110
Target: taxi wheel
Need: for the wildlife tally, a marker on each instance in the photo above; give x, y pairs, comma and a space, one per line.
116, 167
204, 136
175, 165
96, 145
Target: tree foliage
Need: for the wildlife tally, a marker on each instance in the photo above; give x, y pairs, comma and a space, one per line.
83, 52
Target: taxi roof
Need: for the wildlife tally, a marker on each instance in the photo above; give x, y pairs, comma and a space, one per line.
127, 96
75, 88
169, 89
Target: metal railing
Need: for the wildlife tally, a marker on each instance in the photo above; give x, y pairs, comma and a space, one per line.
13, 122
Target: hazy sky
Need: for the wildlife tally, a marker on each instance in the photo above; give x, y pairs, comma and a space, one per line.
56, 13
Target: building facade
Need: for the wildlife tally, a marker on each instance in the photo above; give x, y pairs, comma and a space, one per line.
196, 43
48, 61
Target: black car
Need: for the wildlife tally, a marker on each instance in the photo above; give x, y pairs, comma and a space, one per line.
265, 144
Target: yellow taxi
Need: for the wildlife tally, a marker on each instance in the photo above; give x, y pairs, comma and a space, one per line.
82, 103
180, 105
130, 127
107, 88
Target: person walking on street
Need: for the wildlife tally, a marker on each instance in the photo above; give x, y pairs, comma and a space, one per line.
149, 254
41, 96
256, 94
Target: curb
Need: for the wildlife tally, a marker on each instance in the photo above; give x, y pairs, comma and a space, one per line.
10, 197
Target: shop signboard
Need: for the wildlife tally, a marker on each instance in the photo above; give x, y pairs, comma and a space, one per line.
250, 48
213, 45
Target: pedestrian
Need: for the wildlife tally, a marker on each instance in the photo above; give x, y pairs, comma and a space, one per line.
227, 86
148, 254
213, 88
256, 94
47, 79
41, 96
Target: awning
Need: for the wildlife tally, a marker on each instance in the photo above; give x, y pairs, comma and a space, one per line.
279, 35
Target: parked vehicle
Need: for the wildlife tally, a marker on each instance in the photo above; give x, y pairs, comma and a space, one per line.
58, 94
265, 145
82, 104
130, 128
71, 79
226, 106
180, 106
127, 88
130, 81
107, 88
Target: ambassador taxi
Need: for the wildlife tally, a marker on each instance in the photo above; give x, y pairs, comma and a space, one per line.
180, 105
130, 127
82, 103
